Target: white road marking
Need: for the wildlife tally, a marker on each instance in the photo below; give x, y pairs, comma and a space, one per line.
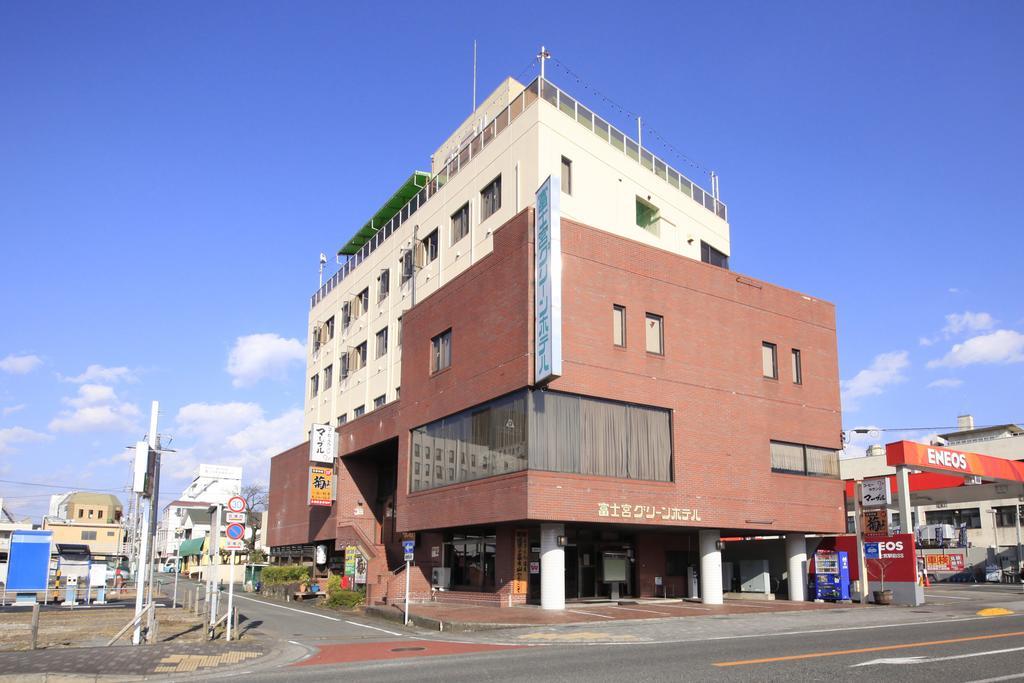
703, 609
591, 614
322, 616
634, 609
948, 596
929, 660
1011, 677
390, 633
290, 609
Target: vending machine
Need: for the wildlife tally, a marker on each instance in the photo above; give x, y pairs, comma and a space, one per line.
831, 575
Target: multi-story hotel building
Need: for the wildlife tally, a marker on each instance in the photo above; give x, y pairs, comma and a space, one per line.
541, 369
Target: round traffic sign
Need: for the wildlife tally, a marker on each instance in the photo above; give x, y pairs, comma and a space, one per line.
235, 531
236, 504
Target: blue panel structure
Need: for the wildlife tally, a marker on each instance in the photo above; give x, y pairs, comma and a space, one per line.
29, 567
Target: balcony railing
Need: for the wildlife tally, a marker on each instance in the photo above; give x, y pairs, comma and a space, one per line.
538, 89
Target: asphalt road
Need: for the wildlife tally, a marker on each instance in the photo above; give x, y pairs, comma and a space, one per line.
946, 640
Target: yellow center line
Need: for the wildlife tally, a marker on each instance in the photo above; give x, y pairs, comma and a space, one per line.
862, 650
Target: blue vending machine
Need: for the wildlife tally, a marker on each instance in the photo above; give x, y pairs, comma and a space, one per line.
831, 575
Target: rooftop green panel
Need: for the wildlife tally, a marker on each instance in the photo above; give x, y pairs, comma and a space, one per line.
416, 182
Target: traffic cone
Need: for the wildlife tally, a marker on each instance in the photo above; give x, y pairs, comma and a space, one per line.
927, 583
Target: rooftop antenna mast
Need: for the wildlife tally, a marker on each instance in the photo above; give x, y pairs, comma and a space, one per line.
323, 262
543, 56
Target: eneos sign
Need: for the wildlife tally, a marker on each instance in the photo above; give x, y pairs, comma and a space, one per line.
938, 459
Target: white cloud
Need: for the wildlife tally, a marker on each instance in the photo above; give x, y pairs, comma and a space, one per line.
96, 408
260, 356
1001, 346
232, 434
967, 322
945, 383
10, 410
99, 373
13, 435
20, 365
214, 422
886, 369
925, 341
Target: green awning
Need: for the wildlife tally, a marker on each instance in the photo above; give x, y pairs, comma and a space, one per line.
416, 182
193, 546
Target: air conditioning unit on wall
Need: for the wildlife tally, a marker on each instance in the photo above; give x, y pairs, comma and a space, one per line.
441, 577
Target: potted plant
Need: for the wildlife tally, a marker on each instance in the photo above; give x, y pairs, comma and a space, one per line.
882, 596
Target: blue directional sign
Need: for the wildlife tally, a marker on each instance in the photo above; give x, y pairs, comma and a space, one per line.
408, 546
871, 551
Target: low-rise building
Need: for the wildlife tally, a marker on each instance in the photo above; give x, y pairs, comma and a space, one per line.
90, 519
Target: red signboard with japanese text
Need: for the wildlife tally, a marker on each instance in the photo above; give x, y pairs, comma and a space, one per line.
896, 560
943, 459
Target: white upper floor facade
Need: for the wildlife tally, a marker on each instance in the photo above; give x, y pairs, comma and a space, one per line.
482, 176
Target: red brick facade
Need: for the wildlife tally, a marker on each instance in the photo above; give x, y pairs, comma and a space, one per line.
724, 412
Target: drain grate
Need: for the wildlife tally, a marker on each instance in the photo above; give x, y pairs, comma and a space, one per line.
407, 649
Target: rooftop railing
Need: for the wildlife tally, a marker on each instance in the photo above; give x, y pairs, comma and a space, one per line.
539, 89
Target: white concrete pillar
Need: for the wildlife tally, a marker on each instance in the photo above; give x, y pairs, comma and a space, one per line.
796, 558
552, 567
710, 567
903, 494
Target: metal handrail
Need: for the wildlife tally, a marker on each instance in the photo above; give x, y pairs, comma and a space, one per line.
537, 90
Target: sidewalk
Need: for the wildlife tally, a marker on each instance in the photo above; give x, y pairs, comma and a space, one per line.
126, 663
441, 616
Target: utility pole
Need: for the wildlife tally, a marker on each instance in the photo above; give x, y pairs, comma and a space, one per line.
858, 519
154, 508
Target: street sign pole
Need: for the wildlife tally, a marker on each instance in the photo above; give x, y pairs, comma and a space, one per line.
862, 565
407, 570
177, 568
231, 593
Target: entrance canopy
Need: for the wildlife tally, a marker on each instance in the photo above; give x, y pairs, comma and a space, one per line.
950, 460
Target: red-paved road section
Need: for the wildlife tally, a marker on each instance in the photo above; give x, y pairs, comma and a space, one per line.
361, 652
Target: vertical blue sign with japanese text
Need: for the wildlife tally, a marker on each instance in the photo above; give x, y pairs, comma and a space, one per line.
547, 291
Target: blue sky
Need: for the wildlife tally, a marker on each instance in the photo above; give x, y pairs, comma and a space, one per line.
169, 175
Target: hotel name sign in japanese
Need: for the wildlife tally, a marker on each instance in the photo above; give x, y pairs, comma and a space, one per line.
547, 291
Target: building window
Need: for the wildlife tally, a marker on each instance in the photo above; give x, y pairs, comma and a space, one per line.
383, 285
428, 248
795, 458
460, 223
398, 332
566, 175
471, 561
647, 215
490, 199
379, 401
549, 431
971, 517
359, 357
362, 302
345, 363
798, 370
1005, 516
406, 265
655, 334
619, 325
441, 351
398, 393
328, 377
92, 514
314, 385
81, 513
708, 254
346, 315
88, 535
359, 411
342, 419
382, 342
769, 360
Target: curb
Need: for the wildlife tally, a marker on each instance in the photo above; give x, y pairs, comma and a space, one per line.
397, 616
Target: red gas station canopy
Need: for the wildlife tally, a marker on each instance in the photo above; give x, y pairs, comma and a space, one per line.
943, 459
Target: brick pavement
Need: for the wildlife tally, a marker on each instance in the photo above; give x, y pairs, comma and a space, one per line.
471, 617
126, 661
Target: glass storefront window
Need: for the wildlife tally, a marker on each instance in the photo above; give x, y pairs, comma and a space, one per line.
471, 559
544, 430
